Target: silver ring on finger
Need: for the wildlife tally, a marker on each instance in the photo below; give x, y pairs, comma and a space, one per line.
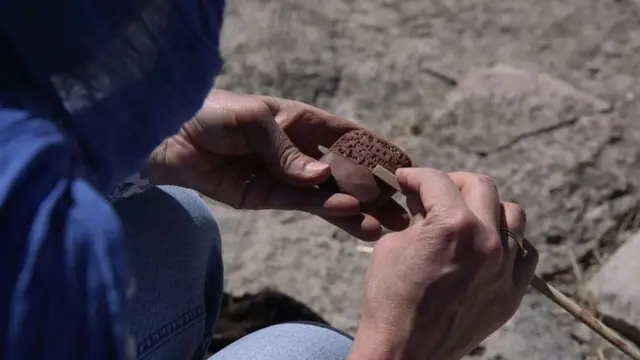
519, 239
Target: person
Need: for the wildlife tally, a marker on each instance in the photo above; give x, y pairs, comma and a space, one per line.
89, 90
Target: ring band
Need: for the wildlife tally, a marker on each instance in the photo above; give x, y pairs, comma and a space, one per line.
517, 238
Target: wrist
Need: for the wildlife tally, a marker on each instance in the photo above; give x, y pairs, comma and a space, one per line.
372, 346
399, 343
376, 342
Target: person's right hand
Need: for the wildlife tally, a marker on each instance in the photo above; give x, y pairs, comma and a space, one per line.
437, 289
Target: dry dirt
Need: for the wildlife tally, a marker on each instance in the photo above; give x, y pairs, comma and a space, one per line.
541, 95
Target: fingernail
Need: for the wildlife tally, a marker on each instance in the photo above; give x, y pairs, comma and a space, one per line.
315, 167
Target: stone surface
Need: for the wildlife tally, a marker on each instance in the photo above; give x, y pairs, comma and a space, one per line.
553, 148
301, 256
534, 332
556, 125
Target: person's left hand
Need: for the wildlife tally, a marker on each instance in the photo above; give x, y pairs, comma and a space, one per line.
256, 152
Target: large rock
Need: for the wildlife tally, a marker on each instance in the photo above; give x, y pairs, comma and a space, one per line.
553, 148
616, 286
617, 291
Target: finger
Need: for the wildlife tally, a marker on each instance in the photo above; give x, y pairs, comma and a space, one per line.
521, 266
266, 137
414, 204
514, 217
481, 196
269, 193
525, 267
435, 188
363, 226
302, 122
392, 216
243, 189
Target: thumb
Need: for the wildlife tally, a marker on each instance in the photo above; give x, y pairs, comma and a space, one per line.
283, 158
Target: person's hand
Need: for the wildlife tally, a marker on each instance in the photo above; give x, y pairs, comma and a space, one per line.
255, 152
437, 289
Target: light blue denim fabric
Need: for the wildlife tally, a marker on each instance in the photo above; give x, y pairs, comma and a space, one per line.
290, 341
174, 250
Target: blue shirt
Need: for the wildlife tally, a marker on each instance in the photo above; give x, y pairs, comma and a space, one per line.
87, 90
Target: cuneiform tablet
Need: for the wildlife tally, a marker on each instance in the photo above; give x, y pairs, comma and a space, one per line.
353, 158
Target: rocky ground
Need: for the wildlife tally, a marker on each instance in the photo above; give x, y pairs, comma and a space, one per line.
541, 95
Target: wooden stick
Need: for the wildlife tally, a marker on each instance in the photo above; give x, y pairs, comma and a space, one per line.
544, 288
585, 317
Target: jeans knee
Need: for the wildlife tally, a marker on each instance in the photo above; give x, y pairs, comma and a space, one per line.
199, 212
175, 248
207, 230
289, 341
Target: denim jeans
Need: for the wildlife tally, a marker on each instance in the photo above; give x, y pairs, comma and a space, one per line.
175, 255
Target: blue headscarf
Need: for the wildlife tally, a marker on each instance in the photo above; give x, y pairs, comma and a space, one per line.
87, 90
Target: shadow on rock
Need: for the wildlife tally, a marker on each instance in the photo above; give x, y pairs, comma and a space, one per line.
242, 315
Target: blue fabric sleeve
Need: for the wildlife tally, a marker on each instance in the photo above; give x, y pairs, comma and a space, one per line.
87, 90
62, 272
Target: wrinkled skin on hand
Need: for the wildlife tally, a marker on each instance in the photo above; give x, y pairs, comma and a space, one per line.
437, 289
256, 152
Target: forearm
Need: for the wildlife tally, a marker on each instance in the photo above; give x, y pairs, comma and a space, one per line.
372, 346
373, 342
402, 342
